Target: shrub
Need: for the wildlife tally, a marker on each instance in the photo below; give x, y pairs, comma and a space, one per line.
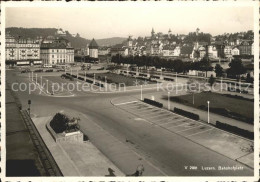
99, 84
89, 81
234, 129
186, 113
154, 103
169, 79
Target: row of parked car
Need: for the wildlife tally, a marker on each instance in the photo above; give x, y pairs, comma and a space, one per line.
27, 70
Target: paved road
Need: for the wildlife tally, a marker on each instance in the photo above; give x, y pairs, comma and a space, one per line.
166, 151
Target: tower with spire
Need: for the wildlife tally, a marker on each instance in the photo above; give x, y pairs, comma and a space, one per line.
130, 41
152, 33
169, 33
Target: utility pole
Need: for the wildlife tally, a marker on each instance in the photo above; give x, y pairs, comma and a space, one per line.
141, 92
208, 110
169, 107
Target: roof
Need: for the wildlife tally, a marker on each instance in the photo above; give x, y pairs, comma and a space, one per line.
167, 47
93, 44
186, 50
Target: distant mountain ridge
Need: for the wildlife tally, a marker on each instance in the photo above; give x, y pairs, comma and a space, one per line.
76, 41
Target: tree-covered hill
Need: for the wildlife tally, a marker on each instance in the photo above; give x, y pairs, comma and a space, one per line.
76, 41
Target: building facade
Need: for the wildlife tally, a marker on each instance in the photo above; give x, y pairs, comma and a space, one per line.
22, 51
235, 51
57, 52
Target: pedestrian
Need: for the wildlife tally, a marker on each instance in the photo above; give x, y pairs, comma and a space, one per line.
139, 170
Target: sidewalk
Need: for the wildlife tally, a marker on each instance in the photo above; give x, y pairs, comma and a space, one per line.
76, 159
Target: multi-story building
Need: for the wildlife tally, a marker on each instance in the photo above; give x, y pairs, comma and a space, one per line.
103, 51
212, 51
173, 51
57, 52
22, 51
227, 51
245, 47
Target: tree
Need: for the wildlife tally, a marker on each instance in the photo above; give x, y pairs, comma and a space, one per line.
178, 65
249, 79
236, 68
211, 80
218, 70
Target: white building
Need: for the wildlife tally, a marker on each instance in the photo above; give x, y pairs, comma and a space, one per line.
235, 51
22, 51
212, 51
58, 52
228, 51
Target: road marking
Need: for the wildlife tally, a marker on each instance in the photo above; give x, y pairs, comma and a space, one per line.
174, 121
125, 103
147, 112
159, 115
199, 132
189, 128
179, 125
134, 107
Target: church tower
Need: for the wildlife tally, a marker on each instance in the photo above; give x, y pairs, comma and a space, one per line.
130, 41
169, 33
152, 33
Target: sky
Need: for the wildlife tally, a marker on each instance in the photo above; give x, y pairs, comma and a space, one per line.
121, 21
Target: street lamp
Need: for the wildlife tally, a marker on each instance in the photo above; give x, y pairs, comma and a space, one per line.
47, 86
52, 89
36, 78
41, 81
208, 111
32, 76
141, 92
29, 109
169, 107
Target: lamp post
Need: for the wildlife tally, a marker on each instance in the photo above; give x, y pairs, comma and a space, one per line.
141, 92
52, 86
36, 78
94, 78
169, 107
85, 76
29, 109
32, 76
208, 111
41, 81
221, 84
47, 87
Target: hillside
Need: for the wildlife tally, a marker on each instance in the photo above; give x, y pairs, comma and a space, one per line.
76, 41
110, 41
